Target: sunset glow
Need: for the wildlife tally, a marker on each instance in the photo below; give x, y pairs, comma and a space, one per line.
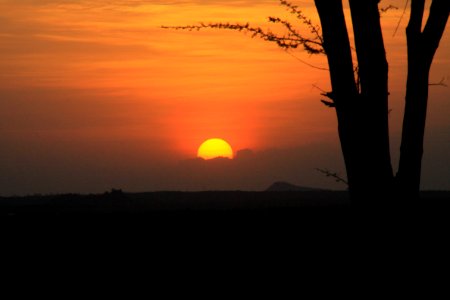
214, 148
95, 94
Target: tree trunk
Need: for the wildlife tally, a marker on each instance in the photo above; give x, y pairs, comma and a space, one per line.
421, 49
362, 118
373, 104
344, 91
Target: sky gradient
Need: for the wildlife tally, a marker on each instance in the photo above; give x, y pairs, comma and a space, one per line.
95, 95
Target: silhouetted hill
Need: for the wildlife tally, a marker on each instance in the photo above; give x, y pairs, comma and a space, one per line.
281, 186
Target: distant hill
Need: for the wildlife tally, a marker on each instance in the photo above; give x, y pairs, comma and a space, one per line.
281, 186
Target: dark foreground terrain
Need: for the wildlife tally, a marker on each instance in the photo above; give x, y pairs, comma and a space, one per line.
118, 202
230, 228
182, 203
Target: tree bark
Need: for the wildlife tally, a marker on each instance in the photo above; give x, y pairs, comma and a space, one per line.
421, 49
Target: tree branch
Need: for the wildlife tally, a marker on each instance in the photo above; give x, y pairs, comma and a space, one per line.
435, 26
292, 40
315, 29
387, 8
415, 20
334, 175
293, 34
401, 18
440, 83
338, 51
306, 63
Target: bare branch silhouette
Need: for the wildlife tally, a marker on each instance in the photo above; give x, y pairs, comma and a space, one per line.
333, 175
292, 39
440, 83
401, 18
329, 95
387, 8
306, 63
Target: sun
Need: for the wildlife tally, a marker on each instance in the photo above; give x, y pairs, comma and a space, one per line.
214, 148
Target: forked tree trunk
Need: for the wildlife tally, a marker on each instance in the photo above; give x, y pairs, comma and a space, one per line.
362, 119
421, 49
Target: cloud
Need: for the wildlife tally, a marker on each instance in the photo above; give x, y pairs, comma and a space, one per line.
64, 166
68, 163
255, 170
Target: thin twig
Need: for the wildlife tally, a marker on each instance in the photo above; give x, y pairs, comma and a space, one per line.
385, 9
285, 42
304, 62
322, 90
440, 83
401, 17
292, 39
334, 175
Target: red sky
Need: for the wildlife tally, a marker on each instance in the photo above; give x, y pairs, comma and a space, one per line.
94, 95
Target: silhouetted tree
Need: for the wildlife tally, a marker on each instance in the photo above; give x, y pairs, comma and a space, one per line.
361, 105
361, 102
422, 46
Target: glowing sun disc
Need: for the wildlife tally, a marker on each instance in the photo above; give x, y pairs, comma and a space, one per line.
214, 148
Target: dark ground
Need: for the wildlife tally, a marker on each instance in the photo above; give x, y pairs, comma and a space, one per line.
117, 202
219, 230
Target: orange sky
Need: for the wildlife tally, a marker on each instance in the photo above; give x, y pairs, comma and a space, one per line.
101, 79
